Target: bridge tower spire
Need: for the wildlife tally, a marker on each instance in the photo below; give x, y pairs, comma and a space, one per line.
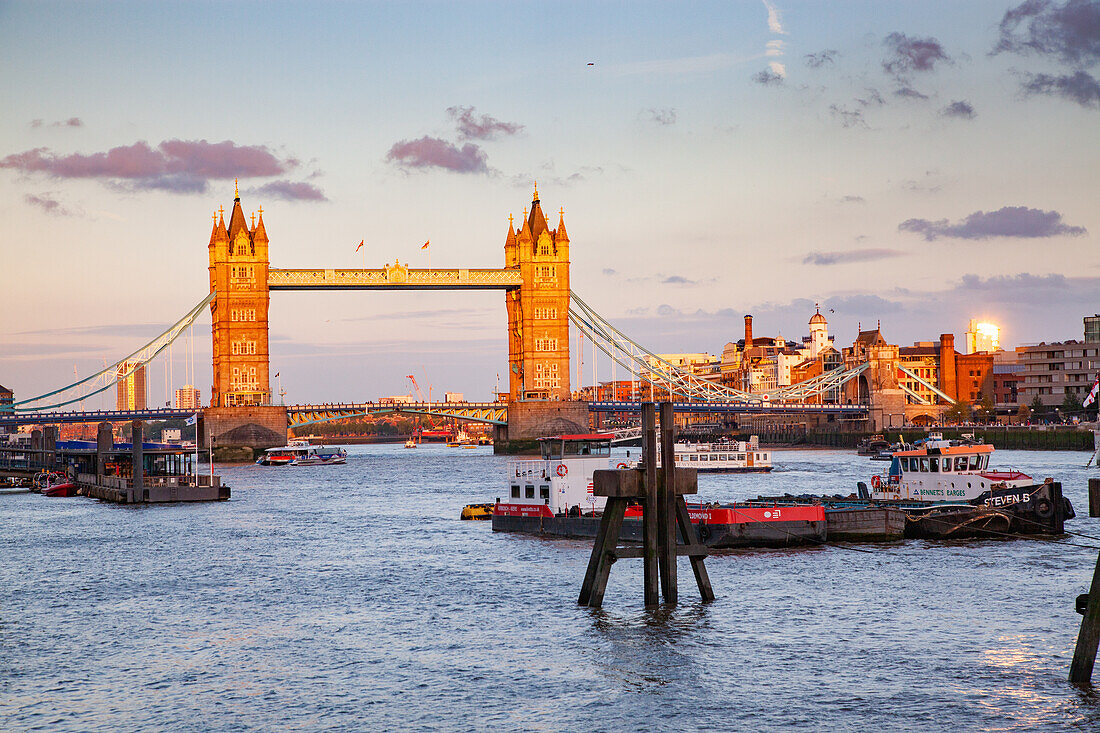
238, 272
538, 312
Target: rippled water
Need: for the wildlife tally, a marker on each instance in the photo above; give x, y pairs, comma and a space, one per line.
351, 597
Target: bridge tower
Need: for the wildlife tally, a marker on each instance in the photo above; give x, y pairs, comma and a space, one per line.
538, 312
238, 271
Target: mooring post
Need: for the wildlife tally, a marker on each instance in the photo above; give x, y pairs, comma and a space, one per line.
650, 510
1088, 638
137, 438
50, 434
666, 506
104, 444
1094, 497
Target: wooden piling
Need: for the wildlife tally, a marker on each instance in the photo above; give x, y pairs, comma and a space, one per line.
664, 512
666, 506
1088, 638
1094, 497
650, 529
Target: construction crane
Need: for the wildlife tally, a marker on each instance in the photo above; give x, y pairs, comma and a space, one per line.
420, 398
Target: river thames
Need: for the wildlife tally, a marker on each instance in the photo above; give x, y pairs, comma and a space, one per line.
351, 598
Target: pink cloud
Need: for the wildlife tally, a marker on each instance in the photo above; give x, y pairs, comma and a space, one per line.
174, 165
432, 152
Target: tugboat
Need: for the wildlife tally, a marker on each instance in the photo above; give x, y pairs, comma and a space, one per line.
554, 497
947, 490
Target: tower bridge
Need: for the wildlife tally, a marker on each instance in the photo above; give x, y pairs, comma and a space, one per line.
540, 308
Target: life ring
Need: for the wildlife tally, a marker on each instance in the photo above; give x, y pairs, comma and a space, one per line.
621, 465
1044, 509
562, 470
876, 482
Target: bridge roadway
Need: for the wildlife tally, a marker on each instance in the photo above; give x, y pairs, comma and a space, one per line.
494, 413
53, 418
772, 408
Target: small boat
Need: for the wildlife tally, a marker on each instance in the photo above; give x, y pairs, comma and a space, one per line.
477, 511
469, 446
410, 443
872, 445
64, 488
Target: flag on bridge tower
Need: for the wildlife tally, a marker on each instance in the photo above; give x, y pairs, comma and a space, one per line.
1093, 393
425, 245
360, 245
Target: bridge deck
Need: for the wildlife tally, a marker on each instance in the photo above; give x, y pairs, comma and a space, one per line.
394, 277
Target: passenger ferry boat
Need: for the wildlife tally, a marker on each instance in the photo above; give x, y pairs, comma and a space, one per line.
301, 453
554, 496
726, 457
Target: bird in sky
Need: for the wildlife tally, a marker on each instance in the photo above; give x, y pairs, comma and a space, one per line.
591, 63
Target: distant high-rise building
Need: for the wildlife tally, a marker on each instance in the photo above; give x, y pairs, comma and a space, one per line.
187, 398
982, 337
1092, 329
7, 397
131, 389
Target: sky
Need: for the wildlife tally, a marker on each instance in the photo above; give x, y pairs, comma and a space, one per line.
914, 164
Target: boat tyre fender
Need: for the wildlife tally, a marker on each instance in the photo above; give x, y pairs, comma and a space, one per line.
1044, 509
703, 530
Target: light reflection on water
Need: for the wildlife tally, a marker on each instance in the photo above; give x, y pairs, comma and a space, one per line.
352, 598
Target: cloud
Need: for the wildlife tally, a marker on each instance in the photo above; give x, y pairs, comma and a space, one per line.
677, 280
1009, 221
663, 116
1069, 33
862, 304
291, 191
852, 200
848, 117
112, 329
480, 127
1080, 87
47, 203
960, 109
908, 54
183, 166
767, 77
610, 272
71, 122
432, 152
872, 99
908, 92
846, 257
774, 47
821, 58
775, 22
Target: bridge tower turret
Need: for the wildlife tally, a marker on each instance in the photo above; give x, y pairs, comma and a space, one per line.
238, 272
538, 312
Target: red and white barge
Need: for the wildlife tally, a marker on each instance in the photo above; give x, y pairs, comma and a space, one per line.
553, 496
